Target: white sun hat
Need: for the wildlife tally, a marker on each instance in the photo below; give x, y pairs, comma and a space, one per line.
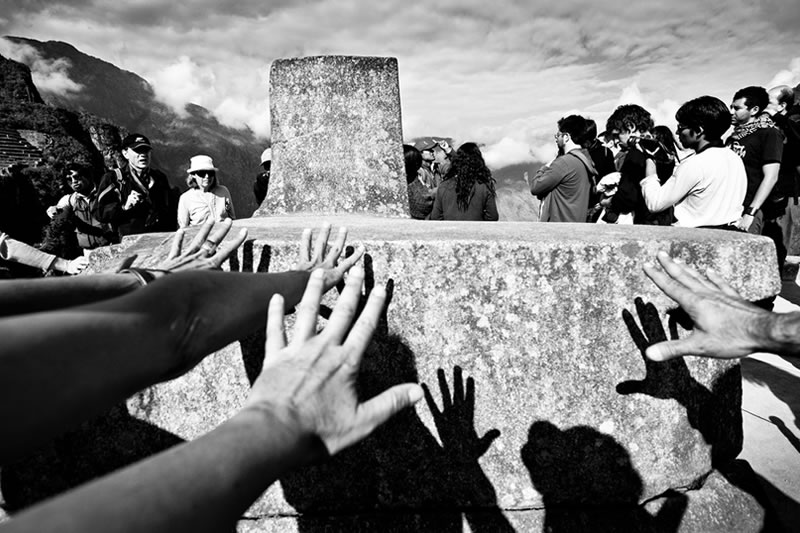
201, 162
266, 155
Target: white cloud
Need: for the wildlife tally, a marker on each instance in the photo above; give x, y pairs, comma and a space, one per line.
184, 82
506, 151
48, 75
790, 76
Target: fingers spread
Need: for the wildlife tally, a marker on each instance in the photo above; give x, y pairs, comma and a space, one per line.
664, 351
177, 244
336, 250
308, 309
305, 245
200, 238
346, 306
672, 288
721, 284
680, 272
360, 335
226, 249
220, 230
276, 333
322, 243
378, 410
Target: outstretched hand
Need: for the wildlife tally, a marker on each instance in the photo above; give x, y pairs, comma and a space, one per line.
455, 422
324, 257
205, 251
725, 324
309, 383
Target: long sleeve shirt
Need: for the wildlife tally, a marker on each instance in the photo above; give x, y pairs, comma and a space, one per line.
707, 189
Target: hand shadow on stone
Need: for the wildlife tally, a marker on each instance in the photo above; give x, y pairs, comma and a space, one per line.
461, 448
715, 413
588, 483
252, 345
92, 449
398, 478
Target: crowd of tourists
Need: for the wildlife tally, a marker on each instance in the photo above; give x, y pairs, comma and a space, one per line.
636, 172
57, 368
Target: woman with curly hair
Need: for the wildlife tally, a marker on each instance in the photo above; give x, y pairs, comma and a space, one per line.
467, 192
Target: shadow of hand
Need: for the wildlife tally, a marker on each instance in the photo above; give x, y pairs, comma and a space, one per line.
455, 422
382, 329
661, 378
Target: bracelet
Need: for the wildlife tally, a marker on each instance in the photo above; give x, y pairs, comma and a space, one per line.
143, 275
750, 211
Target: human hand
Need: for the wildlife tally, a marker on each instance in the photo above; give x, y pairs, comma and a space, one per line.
206, 251
309, 384
725, 324
744, 222
319, 259
133, 199
77, 265
444, 145
52, 211
455, 422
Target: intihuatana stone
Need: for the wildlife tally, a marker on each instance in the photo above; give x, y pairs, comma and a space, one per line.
534, 314
336, 137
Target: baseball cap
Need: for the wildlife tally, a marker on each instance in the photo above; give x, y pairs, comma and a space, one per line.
135, 140
426, 143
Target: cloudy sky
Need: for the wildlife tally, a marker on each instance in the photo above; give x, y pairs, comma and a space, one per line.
497, 72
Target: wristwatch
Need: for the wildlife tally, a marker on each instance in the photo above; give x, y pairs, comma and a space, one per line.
750, 211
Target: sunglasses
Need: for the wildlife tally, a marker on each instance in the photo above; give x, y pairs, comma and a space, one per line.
204, 173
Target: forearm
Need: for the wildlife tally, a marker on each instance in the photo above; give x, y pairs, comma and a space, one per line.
544, 181
85, 359
781, 334
766, 186
203, 485
658, 197
22, 296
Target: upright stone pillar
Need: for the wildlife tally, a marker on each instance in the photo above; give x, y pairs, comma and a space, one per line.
591, 437
336, 137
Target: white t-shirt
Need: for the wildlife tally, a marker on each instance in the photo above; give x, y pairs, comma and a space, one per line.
707, 189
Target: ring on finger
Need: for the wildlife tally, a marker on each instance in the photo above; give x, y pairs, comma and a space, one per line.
209, 246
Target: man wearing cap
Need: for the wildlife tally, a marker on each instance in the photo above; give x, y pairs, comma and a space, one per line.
136, 198
426, 175
261, 185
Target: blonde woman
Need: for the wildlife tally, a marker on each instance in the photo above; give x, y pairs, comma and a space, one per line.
206, 199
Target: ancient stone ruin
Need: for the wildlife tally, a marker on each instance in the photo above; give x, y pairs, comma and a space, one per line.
581, 433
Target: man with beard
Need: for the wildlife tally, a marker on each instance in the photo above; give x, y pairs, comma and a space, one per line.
759, 143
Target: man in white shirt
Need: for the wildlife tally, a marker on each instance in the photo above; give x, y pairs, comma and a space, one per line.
708, 188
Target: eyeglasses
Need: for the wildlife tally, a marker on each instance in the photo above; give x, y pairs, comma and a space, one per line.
680, 128
559, 134
204, 173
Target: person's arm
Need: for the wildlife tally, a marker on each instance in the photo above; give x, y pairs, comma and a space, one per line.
183, 212
725, 325
32, 296
84, 359
658, 197
302, 408
229, 203
437, 212
490, 209
546, 178
24, 254
771, 156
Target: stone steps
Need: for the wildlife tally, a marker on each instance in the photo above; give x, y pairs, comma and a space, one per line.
16, 150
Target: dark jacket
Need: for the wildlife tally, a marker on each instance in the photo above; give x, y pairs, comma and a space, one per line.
156, 213
482, 205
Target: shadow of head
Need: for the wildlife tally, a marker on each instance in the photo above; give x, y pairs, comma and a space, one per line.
579, 465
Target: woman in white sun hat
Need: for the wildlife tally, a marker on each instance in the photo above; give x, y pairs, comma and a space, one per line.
206, 199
